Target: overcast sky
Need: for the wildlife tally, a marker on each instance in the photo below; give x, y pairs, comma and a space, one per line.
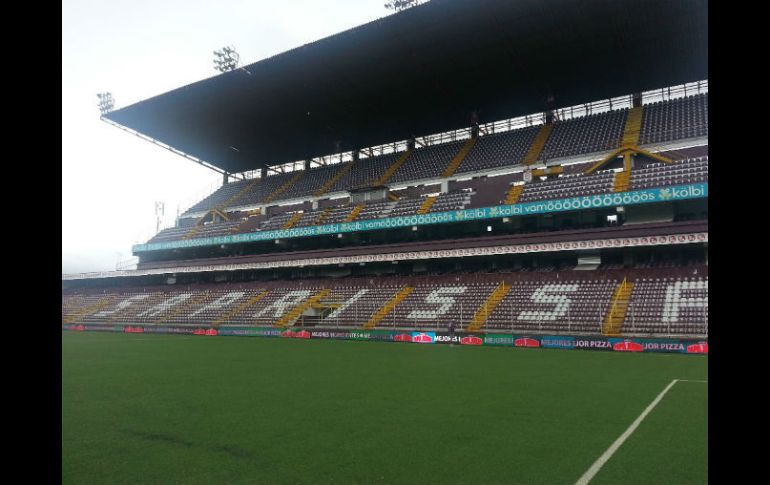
137, 49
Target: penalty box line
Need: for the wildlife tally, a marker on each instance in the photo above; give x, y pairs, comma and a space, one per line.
599, 463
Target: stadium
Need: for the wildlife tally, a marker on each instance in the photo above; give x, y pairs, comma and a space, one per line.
464, 243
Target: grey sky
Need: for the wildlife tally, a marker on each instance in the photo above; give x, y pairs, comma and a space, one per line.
137, 49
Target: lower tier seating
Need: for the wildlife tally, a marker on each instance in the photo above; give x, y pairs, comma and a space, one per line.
664, 301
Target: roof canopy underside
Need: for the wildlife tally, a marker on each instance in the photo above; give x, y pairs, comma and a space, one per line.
426, 70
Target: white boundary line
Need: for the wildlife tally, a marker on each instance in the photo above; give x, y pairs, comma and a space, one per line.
599, 463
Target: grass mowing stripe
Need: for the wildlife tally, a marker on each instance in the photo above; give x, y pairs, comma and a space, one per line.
599, 463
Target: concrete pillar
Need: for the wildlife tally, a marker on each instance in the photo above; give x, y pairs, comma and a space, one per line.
444, 186
263, 172
225, 178
637, 99
306, 166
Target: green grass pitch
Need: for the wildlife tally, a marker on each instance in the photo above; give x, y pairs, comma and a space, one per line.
166, 409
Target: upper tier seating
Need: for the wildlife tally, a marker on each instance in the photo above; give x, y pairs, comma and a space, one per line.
427, 162
678, 119
573, 182
588, 134
661, 122
498, 150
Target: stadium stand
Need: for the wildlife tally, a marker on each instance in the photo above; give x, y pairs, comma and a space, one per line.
467, 179
661, 122
663, 301
573, 182
677, 119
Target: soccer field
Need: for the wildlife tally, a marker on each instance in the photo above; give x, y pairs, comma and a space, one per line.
165, 409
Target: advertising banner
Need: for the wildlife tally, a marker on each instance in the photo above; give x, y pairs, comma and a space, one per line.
526, 342
698, 348
506, 340
680, 192
499, 339
461, 339
592, 343
424, 337
249, 331
557, 342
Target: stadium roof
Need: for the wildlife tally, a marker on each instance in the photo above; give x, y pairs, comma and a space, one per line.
426, 70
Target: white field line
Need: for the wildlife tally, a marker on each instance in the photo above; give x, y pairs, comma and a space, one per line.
599, 463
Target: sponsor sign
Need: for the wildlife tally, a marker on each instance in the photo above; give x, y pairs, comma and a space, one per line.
526, 342
680, 192
698, 348
507, 340
385, 335
330, 334
471, 340
249, 331
558, 342
653, 345
403, 337
592, 343
423, 337
448, 338
499, 339
626, 345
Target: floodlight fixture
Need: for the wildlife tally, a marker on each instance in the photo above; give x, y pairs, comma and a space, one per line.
106, 102
226, 59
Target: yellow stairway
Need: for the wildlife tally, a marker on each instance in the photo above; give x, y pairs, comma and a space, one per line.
618, 308
622, 181
458, 159
330, 183
427, 204
354, 213
322, 216
392, 169
291, 316
91, 309
239, 309
284, 187
486, 309
633, 127
388, 307
514, 193
192, 232
293, 220
537, 144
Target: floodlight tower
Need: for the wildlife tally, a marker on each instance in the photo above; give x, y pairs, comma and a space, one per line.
160, 209
106, 102
399, 5
226, 59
